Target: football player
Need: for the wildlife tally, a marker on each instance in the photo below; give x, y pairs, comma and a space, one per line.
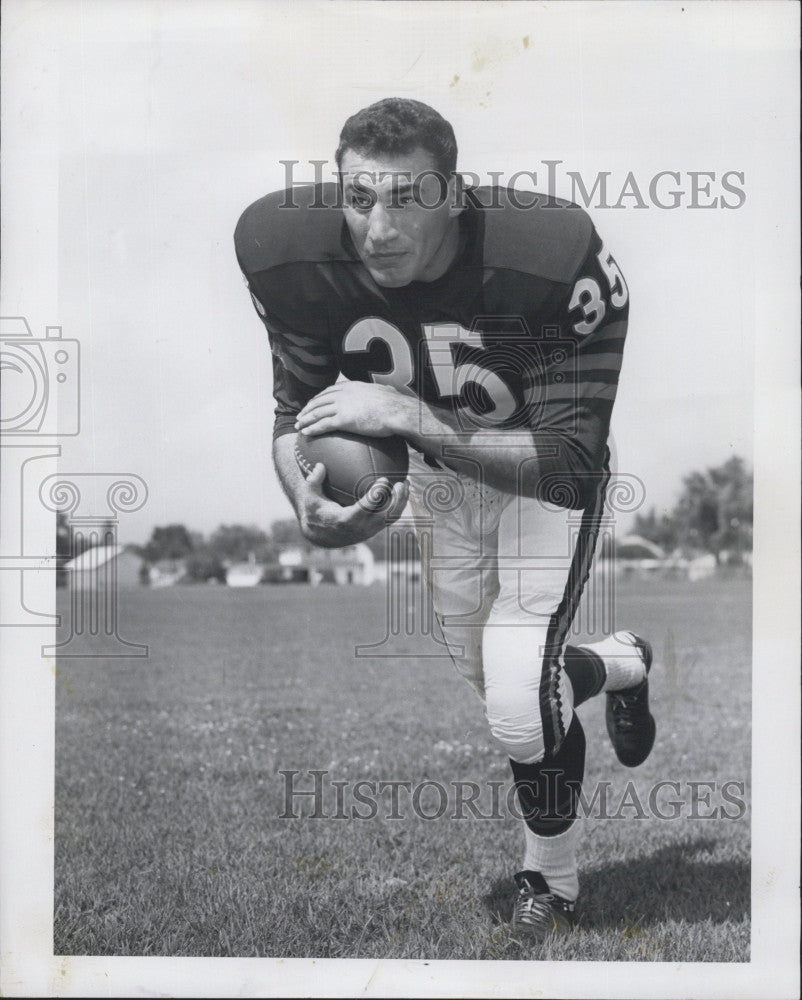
488, 331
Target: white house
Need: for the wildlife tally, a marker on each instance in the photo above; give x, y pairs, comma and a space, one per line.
245, 574
167, 572
396, 571
293, 556
701, 567
353, 564
635, 553
104, 566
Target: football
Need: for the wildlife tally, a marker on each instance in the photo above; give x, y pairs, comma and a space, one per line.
353, 463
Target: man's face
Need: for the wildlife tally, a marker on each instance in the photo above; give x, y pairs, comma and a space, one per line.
387, 200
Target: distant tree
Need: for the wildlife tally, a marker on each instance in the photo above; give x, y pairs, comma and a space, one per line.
286, 532
236, 542
735, 489
197, 539
69, 544
63, 537
378, 545
172, 541
203, 565
715, 509
660, 529
63, 548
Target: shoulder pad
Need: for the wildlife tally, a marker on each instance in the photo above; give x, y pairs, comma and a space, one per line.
550, 238
303, 223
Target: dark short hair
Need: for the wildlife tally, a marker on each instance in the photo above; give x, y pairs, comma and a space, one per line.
398, 125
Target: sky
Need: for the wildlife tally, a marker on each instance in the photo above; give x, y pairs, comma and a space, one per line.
166, 119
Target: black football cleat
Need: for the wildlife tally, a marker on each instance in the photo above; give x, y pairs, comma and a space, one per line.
537, 911
630, 725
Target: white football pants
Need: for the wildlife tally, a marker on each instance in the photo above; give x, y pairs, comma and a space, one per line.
505, 574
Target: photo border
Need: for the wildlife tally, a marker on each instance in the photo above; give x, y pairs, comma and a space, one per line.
30, 270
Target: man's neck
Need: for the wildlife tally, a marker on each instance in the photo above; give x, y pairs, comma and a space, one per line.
446, 253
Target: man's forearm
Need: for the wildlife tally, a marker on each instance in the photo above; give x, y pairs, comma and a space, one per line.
290, 476
507, 461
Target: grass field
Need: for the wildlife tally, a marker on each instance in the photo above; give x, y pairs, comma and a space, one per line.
169, 839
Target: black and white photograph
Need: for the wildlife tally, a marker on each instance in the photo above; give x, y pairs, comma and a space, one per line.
400, 498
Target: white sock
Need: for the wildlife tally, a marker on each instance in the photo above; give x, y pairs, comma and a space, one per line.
555, 859
622, 661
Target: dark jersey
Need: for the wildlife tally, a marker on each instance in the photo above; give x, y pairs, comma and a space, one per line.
525, 329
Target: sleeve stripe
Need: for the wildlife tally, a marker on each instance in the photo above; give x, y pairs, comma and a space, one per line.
546, 396
604, 345
606, 392
593, 390
586, 380
304, 342
586, 376
609, 331
606, 360
576, 370
304, 358
313, 379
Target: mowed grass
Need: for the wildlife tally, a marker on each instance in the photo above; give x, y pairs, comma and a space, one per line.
169, 836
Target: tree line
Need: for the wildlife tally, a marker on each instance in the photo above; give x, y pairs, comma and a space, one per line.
712, 514
207, 558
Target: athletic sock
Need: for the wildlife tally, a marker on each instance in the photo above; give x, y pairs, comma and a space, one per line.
586, 672
555, 859
622, 663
